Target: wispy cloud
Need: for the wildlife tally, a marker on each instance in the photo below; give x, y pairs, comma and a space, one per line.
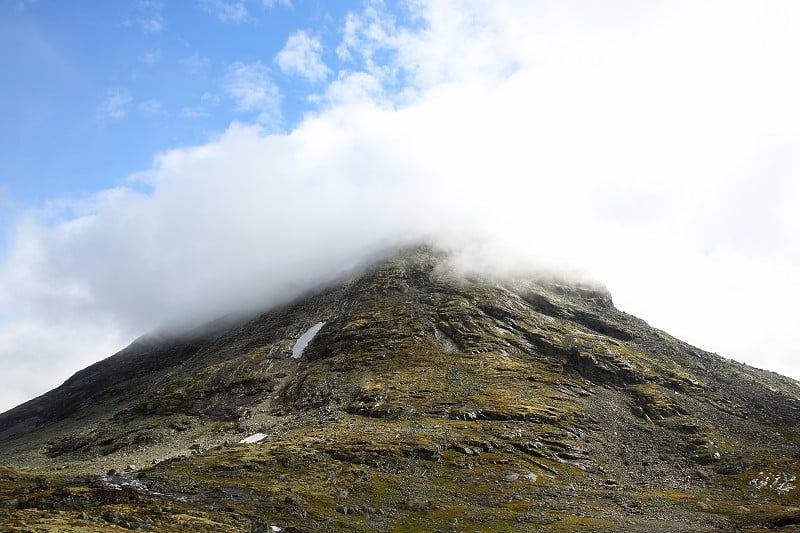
366, 33
152, 108
302, 56
151, 57
269, 4
6, 197
116, 105
251, 88
22, 5
207, 100
147, 16
372, 44
226, 11
195, 62
194, 112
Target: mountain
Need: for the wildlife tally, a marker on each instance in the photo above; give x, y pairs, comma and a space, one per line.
411, 396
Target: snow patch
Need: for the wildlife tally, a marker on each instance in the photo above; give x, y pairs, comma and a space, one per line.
305, 338
252, 439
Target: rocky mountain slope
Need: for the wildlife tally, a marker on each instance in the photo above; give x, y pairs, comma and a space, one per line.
429, 400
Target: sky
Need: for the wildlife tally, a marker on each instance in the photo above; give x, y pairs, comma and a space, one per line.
163, 163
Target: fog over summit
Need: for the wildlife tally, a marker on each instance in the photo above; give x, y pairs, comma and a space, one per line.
655, 151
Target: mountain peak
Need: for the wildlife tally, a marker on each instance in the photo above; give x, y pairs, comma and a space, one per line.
415, 388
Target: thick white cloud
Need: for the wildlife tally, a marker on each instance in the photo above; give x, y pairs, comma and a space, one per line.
657, 147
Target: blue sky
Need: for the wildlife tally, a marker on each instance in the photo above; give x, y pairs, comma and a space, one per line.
104, 86
163, 163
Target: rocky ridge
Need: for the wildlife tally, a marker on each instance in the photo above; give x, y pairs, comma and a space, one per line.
430, 400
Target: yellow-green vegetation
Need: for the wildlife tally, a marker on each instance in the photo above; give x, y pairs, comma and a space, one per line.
213, 427
367, 473
60, 503
186, 394
655, 402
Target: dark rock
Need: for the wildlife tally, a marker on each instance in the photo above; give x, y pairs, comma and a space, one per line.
416, 505
785, 519
464, 449
707, 458
11, 503
181, 425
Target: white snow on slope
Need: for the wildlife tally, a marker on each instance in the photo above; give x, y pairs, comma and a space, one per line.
304, 339
252, 439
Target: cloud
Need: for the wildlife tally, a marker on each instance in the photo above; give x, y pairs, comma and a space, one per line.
367, 33
152, 108
207, 100
655, 147
116, 104
22, 5
226, 11
251, 88
151, 57
6, 197
353, 87
194, 112
301, 56
269, 4
195, 62
78, 341
147, 16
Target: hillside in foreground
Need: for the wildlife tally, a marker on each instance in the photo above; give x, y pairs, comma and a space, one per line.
424, 400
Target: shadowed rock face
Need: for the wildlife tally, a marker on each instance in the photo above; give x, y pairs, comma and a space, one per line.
429, 400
